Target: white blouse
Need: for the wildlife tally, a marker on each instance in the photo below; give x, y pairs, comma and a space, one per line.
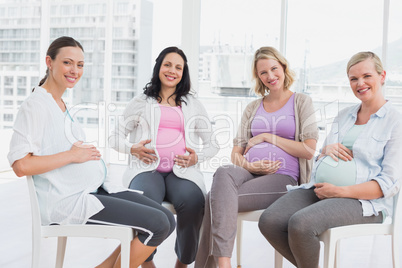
41, 128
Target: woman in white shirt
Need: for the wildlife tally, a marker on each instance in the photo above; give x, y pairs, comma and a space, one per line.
70, 177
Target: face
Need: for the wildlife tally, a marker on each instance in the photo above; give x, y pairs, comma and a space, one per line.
67, 68
365, 81
271, 74
171, 70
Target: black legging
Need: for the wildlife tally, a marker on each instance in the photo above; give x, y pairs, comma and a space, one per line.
153, 222
188, 201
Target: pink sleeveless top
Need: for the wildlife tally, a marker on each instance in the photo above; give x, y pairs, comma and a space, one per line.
170, 140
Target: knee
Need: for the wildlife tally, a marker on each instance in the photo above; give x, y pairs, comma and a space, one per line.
268, 223
223, 177
223, 172
193, 203
300, 225
165, 225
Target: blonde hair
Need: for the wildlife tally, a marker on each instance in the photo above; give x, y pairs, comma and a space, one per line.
271, 53
362, 56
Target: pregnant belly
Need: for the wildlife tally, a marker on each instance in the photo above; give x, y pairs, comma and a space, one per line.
169, 144
341, 173
265, 151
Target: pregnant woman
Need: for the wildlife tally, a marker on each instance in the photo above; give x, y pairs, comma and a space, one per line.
275, 142
170, 133
355, 178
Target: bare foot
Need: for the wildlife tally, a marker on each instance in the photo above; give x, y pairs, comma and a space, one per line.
148, 264
179, 264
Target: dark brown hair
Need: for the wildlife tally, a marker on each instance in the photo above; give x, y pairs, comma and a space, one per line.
54, 48
183, 88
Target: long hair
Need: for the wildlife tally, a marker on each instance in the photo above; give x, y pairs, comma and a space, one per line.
271, 53
183, 88
54, 48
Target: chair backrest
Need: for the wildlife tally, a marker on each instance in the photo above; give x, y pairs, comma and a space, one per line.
35, 212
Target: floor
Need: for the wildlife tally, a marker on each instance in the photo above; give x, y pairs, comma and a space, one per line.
15, 241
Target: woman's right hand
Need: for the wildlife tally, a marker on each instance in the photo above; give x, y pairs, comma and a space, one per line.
83, 152
263, 167
337, 150
144, 154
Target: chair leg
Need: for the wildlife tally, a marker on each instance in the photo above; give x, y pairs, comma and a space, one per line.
238, 241
395, 252
329, 253
278, 260
125, 247
61, 249
36, 246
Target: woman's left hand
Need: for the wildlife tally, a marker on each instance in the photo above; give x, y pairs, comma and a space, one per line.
186, 160
327, 190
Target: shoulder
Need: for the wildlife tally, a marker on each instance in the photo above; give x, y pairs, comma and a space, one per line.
393, 115
302, 98
253, 105
190, 101
137, 103
37, 102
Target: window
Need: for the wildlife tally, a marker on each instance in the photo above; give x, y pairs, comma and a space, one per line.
8, 117
393, 67
319, 53
92, 121
21, 91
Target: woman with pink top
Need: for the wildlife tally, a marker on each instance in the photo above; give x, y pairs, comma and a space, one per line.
170, 133
273, 148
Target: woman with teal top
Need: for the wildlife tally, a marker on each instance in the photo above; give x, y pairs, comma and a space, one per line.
354, 178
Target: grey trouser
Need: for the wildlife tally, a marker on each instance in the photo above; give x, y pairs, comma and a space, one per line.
293, 223
188, 201
234, 190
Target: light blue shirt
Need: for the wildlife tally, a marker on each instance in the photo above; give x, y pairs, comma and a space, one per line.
377, 152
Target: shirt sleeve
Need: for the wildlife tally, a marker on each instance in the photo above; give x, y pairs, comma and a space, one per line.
28, 132
308, 122
203, 128
244, 131
131, 119
390, 176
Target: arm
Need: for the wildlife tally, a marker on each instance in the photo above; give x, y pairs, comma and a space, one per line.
303, 149
32, 164
365, 191
198, 126
127, 123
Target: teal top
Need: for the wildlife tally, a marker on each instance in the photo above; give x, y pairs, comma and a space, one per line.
340, 173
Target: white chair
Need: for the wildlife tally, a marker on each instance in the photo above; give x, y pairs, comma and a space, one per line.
251, 216
169, 206
124, 234
331, 238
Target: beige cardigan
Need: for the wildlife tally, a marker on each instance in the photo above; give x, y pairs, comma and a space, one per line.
306, 128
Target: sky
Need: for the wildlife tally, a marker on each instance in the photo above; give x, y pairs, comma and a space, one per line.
319, 31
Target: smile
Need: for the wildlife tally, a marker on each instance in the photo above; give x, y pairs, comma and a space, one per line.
170, 78
363, 90
273, 82
71, 79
